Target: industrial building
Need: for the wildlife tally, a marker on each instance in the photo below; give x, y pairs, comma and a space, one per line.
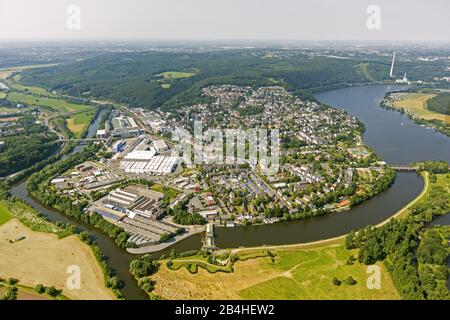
102, 134
157, 165
134, 204
160, 146
136, 209
123, 126
144, 158
118, 146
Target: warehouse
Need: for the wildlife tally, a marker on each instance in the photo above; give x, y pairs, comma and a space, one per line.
123, 126
160, 146
140, 155
155, 165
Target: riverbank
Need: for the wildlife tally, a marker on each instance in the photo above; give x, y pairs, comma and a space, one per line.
406, 187
339, 239
165, 244
415, 106
116, 259
298, 271
287, 273
393, 136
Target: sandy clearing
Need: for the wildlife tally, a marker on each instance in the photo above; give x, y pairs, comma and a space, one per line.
42, 258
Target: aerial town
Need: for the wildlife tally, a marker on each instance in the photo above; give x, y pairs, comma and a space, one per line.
244, 154
325, 167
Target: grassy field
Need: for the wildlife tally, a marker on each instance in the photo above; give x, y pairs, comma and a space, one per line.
79, 122
15, 84
11, 110
363, 67
170, 75
430, 194
2, 95
42, 258
294, 274
170, 193
6, 72
417, 103
25, 214
5, 215
55, 104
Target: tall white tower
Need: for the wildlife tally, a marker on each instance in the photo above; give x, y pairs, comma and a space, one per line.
391, 74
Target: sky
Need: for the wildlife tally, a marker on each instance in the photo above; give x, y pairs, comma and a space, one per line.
392, 20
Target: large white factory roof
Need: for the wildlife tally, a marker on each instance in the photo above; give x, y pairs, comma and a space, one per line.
140, 155
160, 144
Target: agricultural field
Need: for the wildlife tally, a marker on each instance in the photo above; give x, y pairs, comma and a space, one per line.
6, 72
11, 111
42, 258
294, 273
56, 105
79, 122
171, 75
26, 293
417, 104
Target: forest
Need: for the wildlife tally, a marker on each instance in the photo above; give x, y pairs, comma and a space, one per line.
414, 253
30, 146
132, 78
440, 103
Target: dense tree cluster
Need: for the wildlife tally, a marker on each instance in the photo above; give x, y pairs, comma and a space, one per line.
434, 166
144, 266
440, 103
416, 257
132, 78
32, 145
142, 269
182, 216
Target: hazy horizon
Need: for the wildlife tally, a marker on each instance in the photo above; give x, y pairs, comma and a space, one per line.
223, 20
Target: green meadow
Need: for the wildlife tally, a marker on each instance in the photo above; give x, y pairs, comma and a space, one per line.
56, 105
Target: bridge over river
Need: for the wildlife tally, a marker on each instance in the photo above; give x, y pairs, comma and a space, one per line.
81, 140
404, 168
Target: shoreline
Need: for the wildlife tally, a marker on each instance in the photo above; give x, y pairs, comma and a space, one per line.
165, 245
336, 240
433, 124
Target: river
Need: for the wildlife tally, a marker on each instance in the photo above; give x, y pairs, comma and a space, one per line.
118, 258
393, 136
